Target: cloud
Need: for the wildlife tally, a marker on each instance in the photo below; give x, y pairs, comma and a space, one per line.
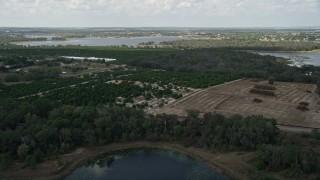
130, 6
78, 5
151, 10
184, 5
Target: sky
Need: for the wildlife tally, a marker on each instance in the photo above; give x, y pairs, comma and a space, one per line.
159, 13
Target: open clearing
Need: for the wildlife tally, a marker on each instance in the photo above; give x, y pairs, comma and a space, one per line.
235, 98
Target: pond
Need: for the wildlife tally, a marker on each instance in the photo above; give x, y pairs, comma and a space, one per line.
297, 58
145, 164
132, 41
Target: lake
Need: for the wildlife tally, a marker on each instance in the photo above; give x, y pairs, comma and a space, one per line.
100, 41
146, 164
297, 58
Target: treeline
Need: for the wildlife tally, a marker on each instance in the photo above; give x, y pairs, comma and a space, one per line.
293, 159
185, 79
246, 45
59, 38
225, 61
205, 60
290, 156
30, 132
13, 62
24, 38
318, 88
120, 54
217, 60
6, 38
34, 75
40, 74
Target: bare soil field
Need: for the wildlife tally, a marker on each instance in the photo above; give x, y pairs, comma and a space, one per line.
235, 98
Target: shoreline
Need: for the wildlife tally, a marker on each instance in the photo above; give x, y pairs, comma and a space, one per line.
312, 51
297, 59
48, 170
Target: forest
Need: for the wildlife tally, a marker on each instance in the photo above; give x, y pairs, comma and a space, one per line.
295, 160
226, 61
90, 125
52, 115
184, 79
217, 60
31, 132
80, 51
245, 44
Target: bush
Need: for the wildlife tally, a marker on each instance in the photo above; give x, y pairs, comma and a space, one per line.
265, 87
255, 80
315, 134
292, 158
303, 107
271, 80
262, 92
257, 100
304, 103
5, 161
12, 78
23, 150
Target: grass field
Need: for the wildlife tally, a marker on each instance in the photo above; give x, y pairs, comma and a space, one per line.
235, 98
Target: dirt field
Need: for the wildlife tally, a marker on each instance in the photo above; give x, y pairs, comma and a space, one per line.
235, 98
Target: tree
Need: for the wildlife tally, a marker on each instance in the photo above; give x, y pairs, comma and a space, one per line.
318, 88
193, 113
178, 131
271, 80
66, 135
22, 151
5, 161
316, 134
12, 78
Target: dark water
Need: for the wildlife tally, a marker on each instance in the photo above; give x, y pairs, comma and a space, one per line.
100, 41
297, 58
142, 164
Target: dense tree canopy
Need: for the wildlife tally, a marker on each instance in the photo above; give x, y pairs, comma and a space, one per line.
245, 44
295, 160
32, 131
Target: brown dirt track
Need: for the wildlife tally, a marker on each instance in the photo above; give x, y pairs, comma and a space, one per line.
235, 98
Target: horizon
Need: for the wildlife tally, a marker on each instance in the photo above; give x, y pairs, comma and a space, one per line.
167, 27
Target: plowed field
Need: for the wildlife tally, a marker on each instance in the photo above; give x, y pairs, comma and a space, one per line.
235, 98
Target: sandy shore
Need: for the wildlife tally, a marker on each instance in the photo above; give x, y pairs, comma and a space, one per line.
233, 164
